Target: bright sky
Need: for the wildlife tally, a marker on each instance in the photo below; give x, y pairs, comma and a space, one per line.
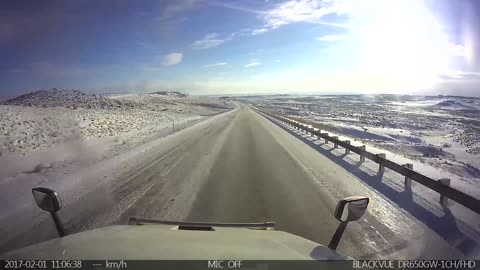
241, 46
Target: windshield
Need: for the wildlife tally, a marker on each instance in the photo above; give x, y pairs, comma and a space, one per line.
245, 111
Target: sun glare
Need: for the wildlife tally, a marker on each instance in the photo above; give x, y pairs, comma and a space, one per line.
402, 40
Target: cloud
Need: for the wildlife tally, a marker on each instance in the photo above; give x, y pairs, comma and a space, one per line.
210, 40
457, 50
216, 64
170, 15
172, 10
231, 6
172, 59
311, 11
259, 31
293, 11
330, 38
253, 64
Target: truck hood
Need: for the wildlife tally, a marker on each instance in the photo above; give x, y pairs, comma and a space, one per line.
166, 242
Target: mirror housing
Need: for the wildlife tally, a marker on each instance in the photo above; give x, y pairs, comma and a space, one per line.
357, 206
48, 200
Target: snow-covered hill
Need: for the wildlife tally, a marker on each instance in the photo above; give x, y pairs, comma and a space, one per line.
48, 118
67, 98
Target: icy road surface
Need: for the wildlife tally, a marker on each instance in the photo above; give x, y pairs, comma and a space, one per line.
234, 167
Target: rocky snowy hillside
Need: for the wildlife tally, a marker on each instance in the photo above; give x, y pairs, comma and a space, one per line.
67, 98
47, 118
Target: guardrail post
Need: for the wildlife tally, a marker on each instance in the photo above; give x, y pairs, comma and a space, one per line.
335, 145
362, 157
347, 151
326, 140
381, 167
443, 198
408, 181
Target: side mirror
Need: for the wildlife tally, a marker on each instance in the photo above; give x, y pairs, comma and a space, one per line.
48, 200
356, 207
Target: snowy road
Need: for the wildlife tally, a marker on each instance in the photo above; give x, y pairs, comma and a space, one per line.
234, 167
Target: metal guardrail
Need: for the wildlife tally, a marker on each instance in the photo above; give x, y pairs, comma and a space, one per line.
442, 186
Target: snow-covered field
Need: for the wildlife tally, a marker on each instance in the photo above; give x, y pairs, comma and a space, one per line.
440, 142
44, 129
440, 135
456, 224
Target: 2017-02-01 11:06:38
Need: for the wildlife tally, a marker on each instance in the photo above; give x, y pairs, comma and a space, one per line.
41, 264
